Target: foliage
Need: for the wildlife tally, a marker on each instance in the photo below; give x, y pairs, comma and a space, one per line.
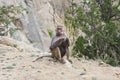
8, 14
12, 31
98, 20
50, 32
9, 67
71, 17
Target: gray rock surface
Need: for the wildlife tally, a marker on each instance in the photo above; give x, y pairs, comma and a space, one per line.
43, 15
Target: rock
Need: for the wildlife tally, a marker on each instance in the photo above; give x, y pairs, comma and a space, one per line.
17, 34
43, 15
68, 64
20, 36
83, 73
117, 73
89, 77
17, 44
102, 64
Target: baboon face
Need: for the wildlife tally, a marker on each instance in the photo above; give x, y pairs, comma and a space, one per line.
59, 31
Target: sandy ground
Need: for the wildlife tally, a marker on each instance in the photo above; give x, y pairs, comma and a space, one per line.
15, 65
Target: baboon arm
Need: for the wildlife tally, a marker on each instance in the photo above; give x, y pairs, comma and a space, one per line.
56, 44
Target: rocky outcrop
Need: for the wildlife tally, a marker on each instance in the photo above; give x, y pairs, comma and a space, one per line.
43, 15
21, 46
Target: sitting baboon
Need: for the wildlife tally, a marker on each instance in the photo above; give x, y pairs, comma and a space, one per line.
60, 45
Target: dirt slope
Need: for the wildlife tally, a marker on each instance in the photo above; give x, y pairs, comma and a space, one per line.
15, 65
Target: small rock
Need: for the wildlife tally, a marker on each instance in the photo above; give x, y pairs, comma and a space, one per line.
89, 77
62, 73
117, 73
14, 64
7, 58
39, 71
83, 73
26, 70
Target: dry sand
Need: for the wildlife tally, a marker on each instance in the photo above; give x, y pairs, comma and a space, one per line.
15, 65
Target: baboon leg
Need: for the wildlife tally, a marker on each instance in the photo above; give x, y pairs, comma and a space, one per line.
59, 54
56, 54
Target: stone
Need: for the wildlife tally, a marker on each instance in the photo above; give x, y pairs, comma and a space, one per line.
43, 15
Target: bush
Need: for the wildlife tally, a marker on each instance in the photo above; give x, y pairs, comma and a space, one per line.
9, 14
102, 40
105, 45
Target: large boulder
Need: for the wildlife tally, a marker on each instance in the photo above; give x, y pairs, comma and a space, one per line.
42, 16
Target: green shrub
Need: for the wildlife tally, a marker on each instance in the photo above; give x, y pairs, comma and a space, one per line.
50, 32
102, 40
9, 14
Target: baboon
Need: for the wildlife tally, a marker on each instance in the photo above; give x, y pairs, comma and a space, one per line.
60, 45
